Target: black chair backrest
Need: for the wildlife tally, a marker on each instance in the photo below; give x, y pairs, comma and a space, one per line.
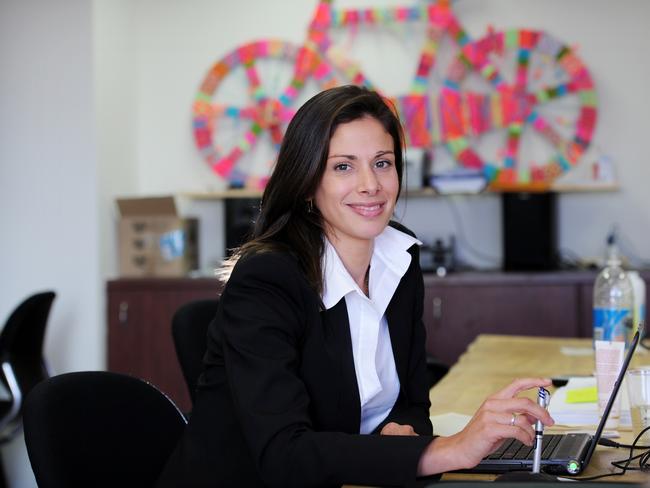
189, 330
21, 356
96, 428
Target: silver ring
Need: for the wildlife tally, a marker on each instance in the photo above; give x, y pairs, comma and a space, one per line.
512, 420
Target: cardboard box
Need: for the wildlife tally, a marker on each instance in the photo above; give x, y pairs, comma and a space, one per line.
154, 240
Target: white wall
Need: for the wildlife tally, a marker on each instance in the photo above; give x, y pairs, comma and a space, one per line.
48, 178
177, 42
114, 65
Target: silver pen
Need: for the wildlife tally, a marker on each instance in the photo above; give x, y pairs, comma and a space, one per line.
543, 399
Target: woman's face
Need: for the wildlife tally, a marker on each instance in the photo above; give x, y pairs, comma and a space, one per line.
359, 187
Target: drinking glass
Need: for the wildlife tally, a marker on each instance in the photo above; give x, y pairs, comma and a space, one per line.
638, 389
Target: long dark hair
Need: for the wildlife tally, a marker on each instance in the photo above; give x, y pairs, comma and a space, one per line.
288, 219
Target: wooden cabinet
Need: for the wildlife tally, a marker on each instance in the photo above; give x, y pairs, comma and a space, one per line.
457, 308
139, 329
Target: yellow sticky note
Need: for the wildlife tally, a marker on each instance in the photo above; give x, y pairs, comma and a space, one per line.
582, 395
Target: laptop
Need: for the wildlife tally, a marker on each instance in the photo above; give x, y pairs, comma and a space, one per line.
562, 453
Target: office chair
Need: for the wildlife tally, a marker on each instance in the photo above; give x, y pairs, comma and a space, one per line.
21, 362
97, 428
189, 330
21, 358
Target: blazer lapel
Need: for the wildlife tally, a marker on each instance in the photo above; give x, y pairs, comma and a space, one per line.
399, 315
339, 347
398, 318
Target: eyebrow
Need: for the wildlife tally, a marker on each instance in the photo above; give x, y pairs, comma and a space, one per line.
353, 157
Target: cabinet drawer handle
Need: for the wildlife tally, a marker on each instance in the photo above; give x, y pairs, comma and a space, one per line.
123, 313
437, 308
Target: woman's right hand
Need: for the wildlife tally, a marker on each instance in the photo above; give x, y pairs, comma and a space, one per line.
489, 427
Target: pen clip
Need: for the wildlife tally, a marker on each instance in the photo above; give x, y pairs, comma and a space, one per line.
543, 397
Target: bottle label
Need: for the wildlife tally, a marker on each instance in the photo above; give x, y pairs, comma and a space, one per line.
610, 324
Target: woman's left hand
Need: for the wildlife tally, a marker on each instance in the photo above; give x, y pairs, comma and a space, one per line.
393, 428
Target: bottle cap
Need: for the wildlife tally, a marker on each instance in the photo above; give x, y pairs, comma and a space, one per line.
613, 258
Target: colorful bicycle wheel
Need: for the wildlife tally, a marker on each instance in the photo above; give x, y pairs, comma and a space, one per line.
520, 105
348, 35
231, 123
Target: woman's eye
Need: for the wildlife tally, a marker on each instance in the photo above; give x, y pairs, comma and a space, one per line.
383, 164
341, 167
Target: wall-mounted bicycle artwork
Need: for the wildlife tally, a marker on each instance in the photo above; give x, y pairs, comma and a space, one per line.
517, 107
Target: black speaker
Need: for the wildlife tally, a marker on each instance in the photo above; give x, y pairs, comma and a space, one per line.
529, 231
241, 214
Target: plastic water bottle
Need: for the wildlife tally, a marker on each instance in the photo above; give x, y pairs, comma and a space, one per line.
613, 299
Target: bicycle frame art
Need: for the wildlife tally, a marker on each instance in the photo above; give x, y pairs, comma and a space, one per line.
498, 94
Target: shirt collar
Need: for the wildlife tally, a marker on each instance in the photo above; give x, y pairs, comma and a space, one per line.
337, 282
390, 247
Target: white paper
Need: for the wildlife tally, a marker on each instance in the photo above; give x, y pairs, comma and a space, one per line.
577, 351
449, 423
582, 414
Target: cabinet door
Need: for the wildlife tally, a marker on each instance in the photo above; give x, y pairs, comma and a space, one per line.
140, 341
586, 310
455, 315
127, 332
163, 367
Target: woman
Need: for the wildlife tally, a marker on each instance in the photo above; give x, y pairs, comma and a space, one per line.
318, 342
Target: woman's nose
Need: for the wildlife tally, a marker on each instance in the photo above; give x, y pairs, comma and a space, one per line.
368, 182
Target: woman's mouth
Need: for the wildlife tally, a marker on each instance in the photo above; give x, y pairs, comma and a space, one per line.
368, 209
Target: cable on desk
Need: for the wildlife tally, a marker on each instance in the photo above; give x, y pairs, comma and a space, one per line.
610, 443
624, 464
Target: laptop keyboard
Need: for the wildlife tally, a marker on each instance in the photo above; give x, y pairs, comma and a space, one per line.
515, 449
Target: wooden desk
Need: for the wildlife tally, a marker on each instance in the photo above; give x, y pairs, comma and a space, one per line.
492, 361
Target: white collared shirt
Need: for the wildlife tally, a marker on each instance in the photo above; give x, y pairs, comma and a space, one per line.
374, 362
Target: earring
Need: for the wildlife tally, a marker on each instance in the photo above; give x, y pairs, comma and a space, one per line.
310, 206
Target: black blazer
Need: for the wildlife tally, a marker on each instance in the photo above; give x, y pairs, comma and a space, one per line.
278, 402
